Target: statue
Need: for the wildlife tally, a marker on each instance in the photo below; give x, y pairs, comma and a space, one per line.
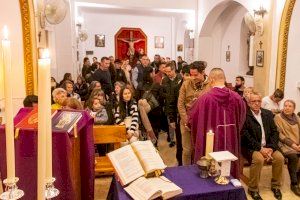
131, 52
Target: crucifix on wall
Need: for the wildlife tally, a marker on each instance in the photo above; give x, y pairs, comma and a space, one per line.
131, 41
228, 54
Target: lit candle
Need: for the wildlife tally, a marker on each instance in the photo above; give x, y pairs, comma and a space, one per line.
44, 125
9, 126
251, 43
209, 147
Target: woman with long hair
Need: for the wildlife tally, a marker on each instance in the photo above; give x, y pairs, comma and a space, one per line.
126, 113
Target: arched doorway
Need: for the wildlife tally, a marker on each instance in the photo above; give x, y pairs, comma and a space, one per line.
223, 40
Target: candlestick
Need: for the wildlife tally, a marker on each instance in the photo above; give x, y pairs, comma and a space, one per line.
11, 189
9, 125
43, 125
209, 147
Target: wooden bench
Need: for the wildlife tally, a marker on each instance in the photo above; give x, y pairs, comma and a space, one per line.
107, 134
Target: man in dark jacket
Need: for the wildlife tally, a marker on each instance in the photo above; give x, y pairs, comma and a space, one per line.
138, 71
103, 76
86, 69
171, 85
119, 73
156, 62
259, 144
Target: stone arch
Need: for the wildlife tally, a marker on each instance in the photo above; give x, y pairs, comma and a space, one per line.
214, 34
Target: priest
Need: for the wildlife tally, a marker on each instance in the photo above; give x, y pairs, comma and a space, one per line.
222, 111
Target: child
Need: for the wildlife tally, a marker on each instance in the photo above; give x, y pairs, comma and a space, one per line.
127, 113
97, 111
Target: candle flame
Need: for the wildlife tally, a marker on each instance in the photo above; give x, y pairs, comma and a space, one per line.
45, 54
5, 32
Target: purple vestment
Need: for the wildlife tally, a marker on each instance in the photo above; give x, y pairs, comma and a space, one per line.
218, 107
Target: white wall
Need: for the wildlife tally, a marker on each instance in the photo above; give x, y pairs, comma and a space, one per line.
226, 30
293, 58
205, 7
109, 24
10, 16
168, 4
277, 12
61, 38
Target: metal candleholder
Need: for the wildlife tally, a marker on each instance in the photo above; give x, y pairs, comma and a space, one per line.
51, 191
11, 189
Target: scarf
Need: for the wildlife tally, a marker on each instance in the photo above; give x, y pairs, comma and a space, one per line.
292, 120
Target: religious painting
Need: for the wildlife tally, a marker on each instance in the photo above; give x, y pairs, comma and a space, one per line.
180, 47
259, 58
159, 42
130, 43
99, 40
227, 56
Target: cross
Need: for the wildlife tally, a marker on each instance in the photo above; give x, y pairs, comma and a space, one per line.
40, 35
260, 44
130, 39
225, 125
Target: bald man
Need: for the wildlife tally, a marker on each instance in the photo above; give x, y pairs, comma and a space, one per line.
222, 111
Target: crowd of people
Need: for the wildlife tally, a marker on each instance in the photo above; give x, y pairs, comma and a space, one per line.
181, 100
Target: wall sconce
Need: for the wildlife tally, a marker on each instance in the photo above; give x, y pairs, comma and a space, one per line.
80, 21
261, 11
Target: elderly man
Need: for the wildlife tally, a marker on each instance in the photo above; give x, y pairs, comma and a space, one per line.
189, 92
59, 95
259, 144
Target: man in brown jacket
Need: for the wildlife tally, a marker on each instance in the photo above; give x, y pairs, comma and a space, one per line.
190, 90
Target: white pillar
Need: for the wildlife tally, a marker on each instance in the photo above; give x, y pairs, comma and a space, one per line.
196, 39
173, 38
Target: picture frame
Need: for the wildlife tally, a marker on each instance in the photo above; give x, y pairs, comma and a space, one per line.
159, 42
259, 58
180, 47
228, 56
99, 40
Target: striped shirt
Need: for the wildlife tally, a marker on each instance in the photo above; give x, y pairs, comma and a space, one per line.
130, 112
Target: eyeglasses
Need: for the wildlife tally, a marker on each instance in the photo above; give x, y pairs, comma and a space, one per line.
256, 101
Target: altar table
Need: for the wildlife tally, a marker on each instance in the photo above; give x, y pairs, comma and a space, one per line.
73, 160
194, 187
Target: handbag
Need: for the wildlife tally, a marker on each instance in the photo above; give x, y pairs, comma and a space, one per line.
152, 101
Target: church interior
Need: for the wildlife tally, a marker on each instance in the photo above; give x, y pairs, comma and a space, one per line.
106, 48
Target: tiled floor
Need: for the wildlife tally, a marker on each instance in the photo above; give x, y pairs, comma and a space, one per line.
168, 154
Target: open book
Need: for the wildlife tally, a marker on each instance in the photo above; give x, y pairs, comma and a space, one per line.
135, 160
133, 163
152, 188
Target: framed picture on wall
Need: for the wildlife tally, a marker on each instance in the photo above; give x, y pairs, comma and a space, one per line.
259, 58
227, 56
159, 42
180, 47
99, 40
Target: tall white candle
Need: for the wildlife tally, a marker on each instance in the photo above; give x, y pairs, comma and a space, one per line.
209, 146
251, 43
44, 115
9, 125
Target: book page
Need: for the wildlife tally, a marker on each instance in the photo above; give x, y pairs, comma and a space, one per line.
126, 164
142, 188
168, 188
148, 156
